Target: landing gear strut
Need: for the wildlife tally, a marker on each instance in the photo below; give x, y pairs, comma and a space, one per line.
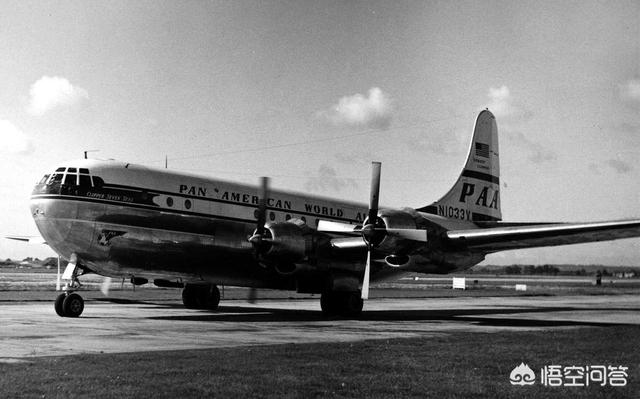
201, 296
348, 304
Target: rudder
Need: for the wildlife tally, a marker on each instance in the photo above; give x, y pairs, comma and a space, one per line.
476, 194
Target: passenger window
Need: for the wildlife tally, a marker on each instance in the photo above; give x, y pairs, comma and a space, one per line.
70, 180
85, 181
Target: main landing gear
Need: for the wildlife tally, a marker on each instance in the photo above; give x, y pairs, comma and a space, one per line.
201, 296
339, 303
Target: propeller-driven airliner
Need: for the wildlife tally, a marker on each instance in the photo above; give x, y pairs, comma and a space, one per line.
172, 229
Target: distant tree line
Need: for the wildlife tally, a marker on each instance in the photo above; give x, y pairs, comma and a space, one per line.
550, 270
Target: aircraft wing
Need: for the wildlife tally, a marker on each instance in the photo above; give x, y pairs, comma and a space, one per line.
528, 235
29, 239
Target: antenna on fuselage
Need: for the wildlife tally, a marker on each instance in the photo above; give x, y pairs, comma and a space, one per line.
87, 151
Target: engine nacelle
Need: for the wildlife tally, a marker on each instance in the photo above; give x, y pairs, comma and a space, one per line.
395, 219
289, 243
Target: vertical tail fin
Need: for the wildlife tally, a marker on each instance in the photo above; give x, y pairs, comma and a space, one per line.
476, 194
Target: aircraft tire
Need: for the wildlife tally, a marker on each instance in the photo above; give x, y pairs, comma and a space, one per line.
352, 304
73, 305
212, 299
58, 305
329, 303
190, 297
346, 304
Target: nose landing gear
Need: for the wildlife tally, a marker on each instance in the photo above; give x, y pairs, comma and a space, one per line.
69, 304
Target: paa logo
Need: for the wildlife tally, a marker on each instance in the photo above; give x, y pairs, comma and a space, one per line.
522, 375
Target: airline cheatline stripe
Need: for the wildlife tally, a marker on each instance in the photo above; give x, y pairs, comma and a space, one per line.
481, 176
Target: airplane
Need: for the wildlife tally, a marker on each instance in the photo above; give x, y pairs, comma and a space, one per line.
122, 220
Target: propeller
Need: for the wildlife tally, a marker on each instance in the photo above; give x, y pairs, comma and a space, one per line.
258, 238
106, 284
369, 233
373, 230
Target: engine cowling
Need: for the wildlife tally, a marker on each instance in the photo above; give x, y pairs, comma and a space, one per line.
288, 243
395, 219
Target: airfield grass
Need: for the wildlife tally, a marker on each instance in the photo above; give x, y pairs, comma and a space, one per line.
447, 365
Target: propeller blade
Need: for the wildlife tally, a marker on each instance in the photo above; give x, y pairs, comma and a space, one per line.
106, 284
409, 234
375, 192
253, 295
337, 227
263, 196
365, 279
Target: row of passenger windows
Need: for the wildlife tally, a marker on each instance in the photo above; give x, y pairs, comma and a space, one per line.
272, 215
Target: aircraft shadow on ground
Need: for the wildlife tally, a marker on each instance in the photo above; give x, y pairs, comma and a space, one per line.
471, 316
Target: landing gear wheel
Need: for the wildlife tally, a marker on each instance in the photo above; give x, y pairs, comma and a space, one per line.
190, 297
352, 305
73, 305
58, 304
197, 296
347, 304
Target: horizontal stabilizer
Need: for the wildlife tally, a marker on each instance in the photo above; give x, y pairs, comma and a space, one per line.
529, 236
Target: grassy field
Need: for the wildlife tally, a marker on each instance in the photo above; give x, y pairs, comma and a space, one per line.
450, 365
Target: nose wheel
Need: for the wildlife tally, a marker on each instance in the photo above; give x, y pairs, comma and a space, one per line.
69, 304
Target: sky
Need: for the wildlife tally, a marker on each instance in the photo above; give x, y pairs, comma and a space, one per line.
310, 92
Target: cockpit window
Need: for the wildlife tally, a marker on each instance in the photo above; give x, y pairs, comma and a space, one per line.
70, 180
85, 181
44, 179
72, 170
60, 169
97, 181
84, 170
56, 178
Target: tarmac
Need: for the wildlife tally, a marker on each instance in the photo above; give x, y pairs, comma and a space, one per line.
32, 328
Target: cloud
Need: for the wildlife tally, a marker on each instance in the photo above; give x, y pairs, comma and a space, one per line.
48, 93
500, 101
328, 179
631, 90
503, 105
13, 140
374, 111
619, 166
537, 152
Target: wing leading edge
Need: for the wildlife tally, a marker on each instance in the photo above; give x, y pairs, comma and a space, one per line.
528, 236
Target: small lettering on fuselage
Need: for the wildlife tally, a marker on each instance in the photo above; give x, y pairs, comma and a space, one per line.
110, 196
254, 200
193, 190
454, 212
